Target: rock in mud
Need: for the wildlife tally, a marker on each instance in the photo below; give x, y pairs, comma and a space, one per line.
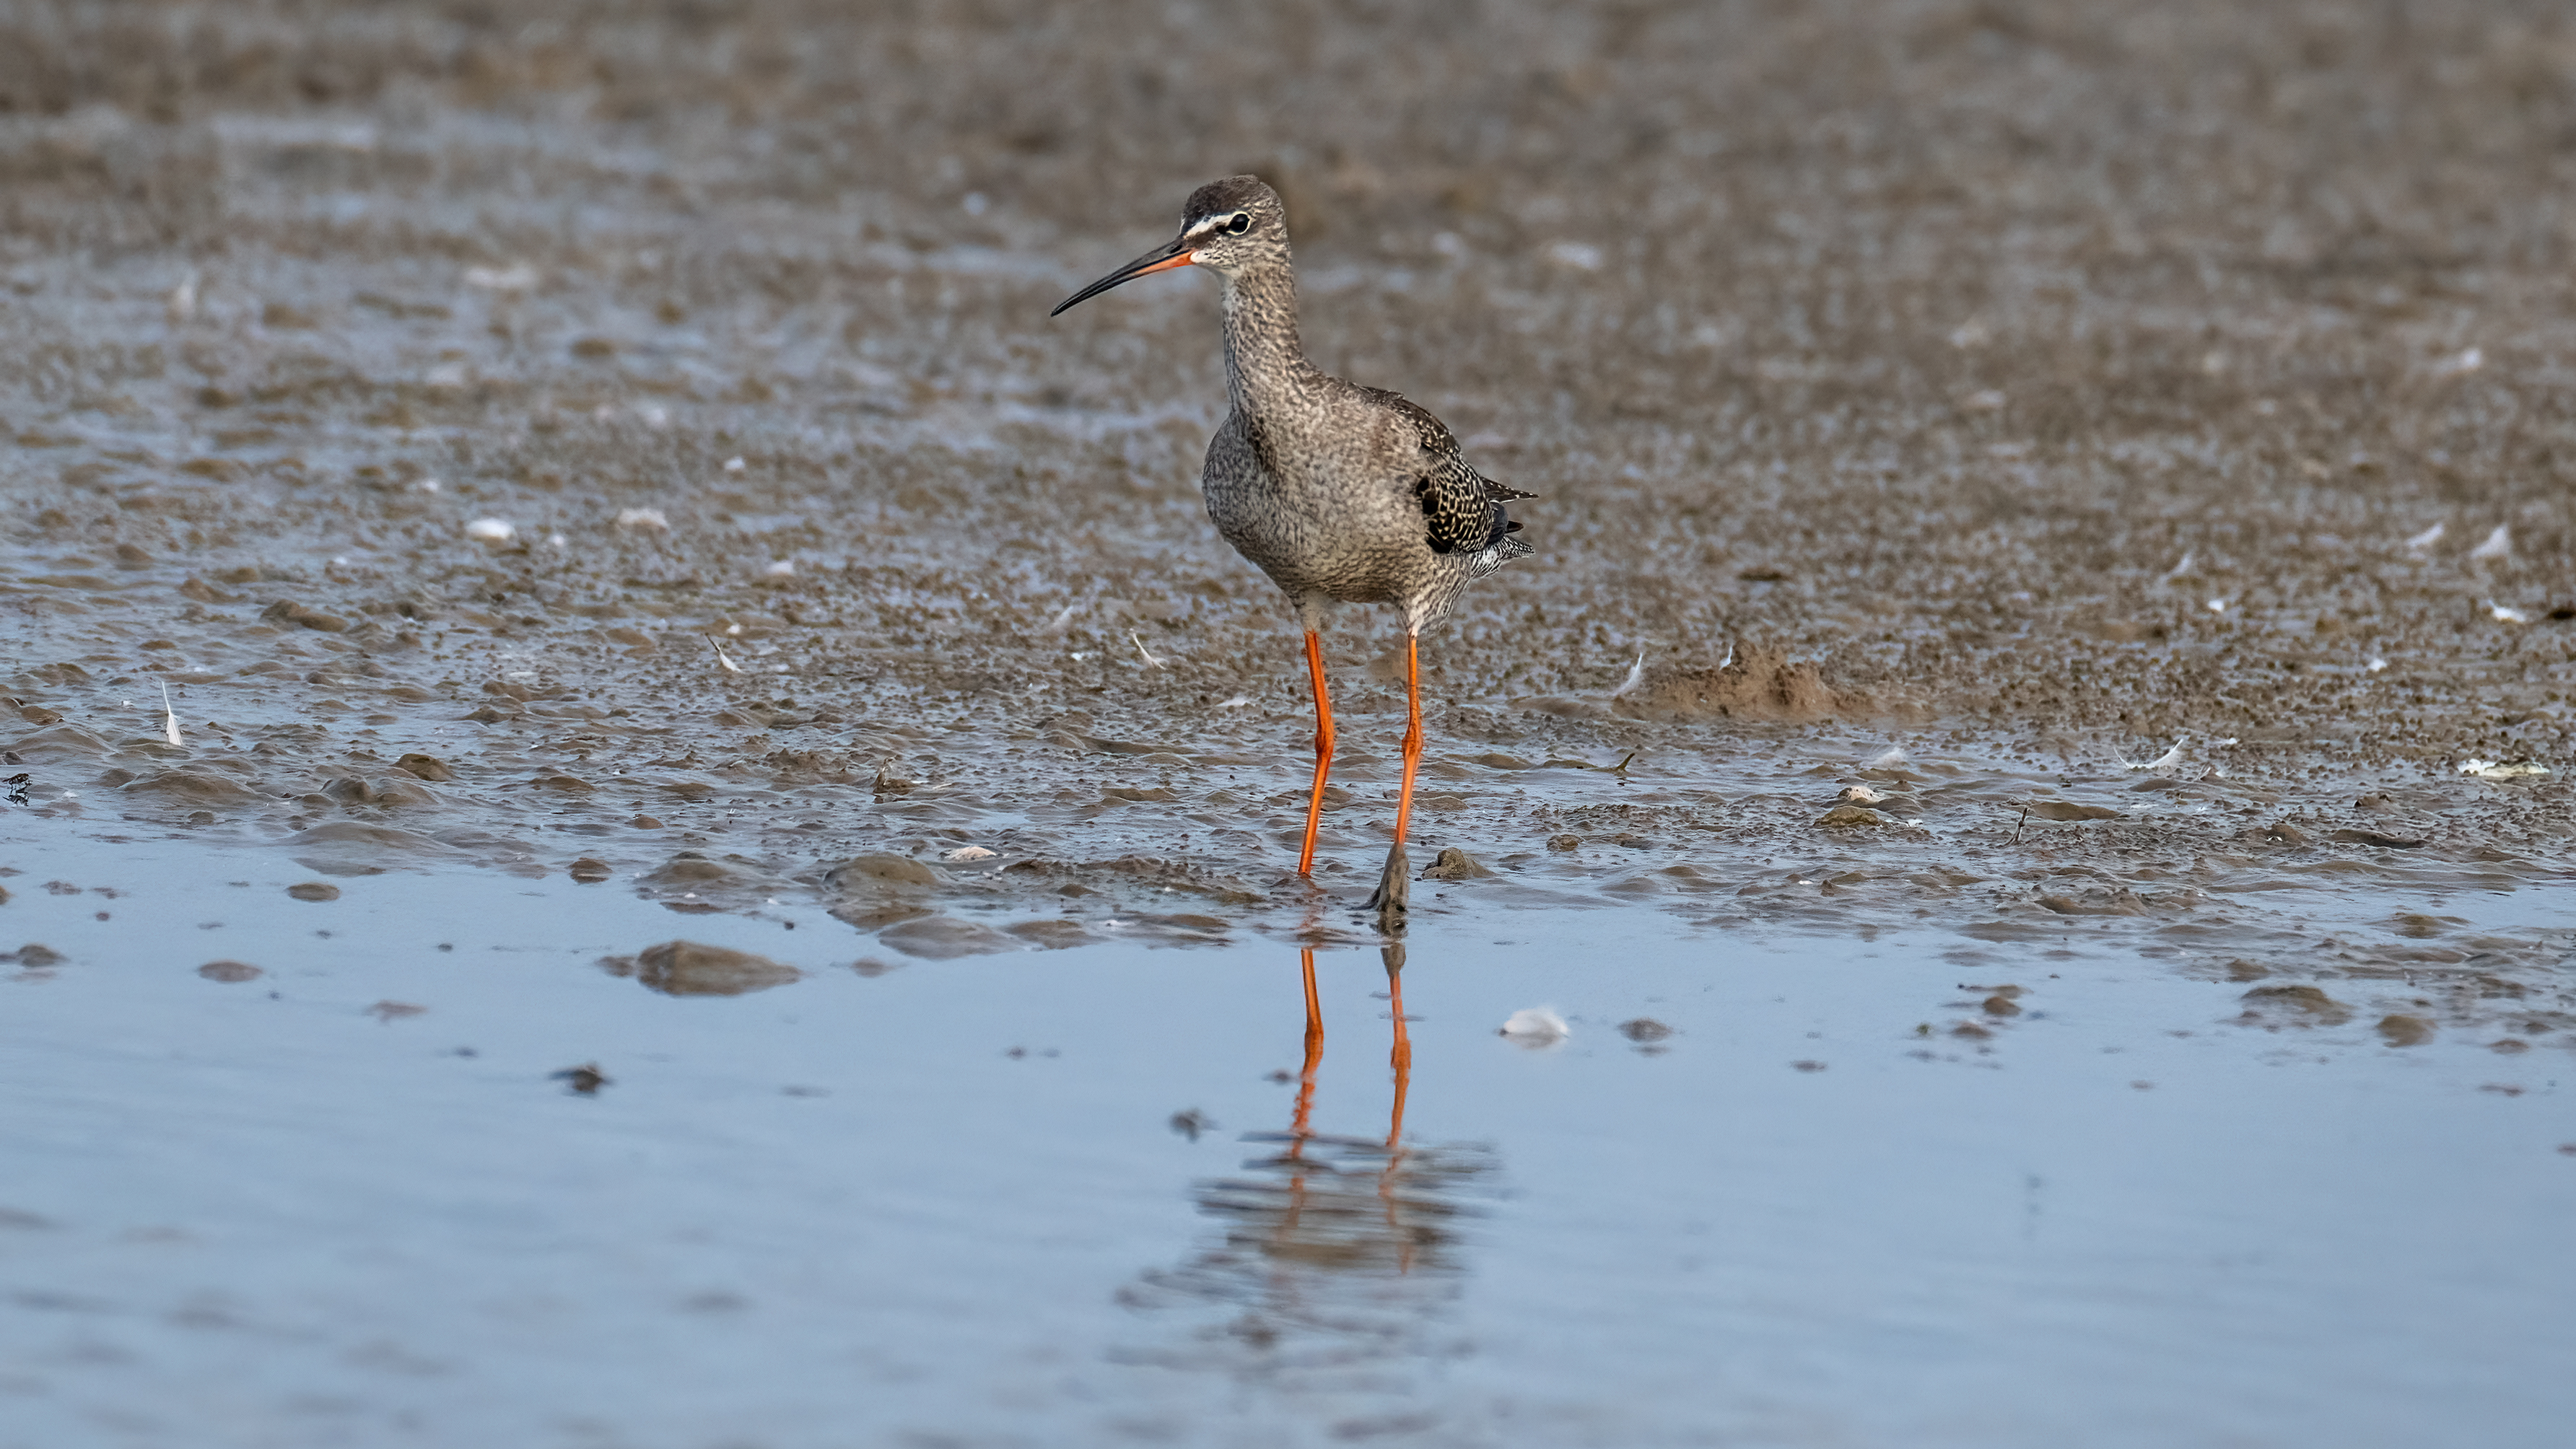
589, 871
944, 938
426, 767
1851, 817
2070, 810
195, 788
230, 972
1760, 684
2400, 1030
687, 968
1644, 1029
287, 611
2293, 1006
2376, 838
314, 890
878, 872
1454, 864
585, 1079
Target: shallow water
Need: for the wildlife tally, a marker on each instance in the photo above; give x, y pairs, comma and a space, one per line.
2071, 500
959, 1202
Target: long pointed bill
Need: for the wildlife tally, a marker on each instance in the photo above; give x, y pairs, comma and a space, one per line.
1160, 259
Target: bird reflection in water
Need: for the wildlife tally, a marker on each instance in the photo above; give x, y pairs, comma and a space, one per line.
1336, 1254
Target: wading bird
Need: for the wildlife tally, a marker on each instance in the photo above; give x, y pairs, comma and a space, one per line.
1341, 493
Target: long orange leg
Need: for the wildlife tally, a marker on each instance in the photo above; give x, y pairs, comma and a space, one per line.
1395, 883
1323, 765
1412, 732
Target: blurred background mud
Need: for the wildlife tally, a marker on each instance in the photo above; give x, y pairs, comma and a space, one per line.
2038, 389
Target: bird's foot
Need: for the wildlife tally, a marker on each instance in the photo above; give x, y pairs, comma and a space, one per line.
1394, 889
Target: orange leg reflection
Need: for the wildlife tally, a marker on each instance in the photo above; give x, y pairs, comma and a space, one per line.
1400, 1058
1301, 1130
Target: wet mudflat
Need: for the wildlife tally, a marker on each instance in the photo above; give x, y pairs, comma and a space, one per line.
2073, 505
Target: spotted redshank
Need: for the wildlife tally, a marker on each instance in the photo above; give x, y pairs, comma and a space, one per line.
1341, 493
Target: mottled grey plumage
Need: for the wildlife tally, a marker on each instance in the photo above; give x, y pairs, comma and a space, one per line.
1341, 493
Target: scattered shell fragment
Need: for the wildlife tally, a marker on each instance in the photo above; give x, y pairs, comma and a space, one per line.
2497, 545
1581, 256
1536, 1026
642, 518
2507, 614
2494, 770
968, 852
491, 530
518, 277
2426, 539
733, 465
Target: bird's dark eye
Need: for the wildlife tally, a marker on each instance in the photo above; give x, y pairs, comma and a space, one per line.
1240, 224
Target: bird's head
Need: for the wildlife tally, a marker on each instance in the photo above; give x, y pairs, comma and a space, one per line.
1226, 226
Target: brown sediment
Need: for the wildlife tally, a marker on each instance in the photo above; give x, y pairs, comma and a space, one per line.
1761, 683
1944, 368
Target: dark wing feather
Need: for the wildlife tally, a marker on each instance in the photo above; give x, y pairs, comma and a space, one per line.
1462, 509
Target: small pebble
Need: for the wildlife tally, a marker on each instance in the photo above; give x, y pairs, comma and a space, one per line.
314, 890
584, 1079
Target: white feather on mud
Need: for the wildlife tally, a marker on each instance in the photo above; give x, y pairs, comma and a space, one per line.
722, 657
2507, 614
2503, 770
1149, 654
968, 852
170, 720
1636, 676
2426, 539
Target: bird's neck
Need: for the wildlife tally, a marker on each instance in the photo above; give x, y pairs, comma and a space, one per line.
1265, 365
